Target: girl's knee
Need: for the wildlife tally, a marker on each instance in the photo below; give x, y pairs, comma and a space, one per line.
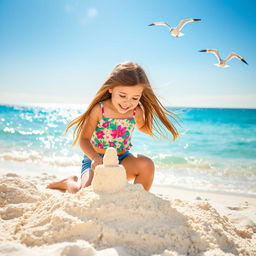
145, 164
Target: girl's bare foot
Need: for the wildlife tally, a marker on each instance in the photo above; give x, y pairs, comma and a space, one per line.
68, 184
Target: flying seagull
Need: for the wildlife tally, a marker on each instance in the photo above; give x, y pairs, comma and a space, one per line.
175, 31
222, 63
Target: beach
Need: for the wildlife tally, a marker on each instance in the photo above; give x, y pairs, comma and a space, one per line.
165, 221
202, 202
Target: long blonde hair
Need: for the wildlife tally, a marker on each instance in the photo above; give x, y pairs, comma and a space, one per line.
130, 74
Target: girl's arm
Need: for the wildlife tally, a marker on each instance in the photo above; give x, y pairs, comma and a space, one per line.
87, 131
140, 121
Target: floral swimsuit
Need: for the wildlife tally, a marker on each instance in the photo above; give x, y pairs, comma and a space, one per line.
114, 132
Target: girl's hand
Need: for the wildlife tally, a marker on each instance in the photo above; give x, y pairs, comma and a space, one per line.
96, 161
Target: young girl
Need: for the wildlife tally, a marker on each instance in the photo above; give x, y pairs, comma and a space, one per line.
124, 101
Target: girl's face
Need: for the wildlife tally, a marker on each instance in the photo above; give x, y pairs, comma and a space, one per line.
126, 98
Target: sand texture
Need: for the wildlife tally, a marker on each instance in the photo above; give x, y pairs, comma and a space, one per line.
36, 221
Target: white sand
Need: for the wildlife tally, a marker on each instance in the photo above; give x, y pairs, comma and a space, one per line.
36, 221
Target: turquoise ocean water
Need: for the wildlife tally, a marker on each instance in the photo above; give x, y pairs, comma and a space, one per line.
216, 152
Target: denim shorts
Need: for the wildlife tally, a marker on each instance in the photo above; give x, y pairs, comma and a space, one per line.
86, 163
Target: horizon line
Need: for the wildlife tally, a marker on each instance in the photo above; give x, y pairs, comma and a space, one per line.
77, 105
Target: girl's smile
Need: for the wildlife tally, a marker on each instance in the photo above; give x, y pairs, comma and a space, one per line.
124, 108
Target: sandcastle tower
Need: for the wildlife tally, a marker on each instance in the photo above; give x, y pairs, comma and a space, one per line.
109, 177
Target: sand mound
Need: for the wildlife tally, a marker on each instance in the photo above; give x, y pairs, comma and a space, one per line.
15, 191
130, 222
16, 196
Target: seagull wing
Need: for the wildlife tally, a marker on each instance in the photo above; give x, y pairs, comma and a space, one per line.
234, 55
160, 23
214, 51
184, 22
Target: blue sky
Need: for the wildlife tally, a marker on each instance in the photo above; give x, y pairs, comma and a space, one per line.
61, 51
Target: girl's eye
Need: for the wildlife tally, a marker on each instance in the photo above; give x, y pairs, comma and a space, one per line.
122, 96
135, 98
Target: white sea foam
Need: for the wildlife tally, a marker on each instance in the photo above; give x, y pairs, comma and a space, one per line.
33, 156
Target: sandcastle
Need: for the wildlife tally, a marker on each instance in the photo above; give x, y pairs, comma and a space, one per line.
109, 177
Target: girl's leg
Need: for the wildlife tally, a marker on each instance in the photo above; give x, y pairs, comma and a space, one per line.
87, 173
69, 184
86, 178
141, 169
